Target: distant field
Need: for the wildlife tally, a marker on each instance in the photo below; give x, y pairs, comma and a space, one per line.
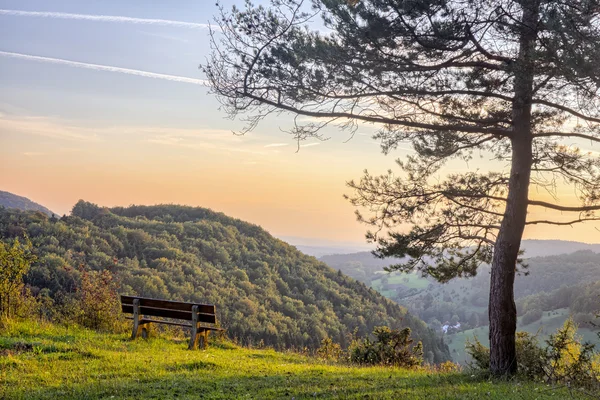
547, 325
411, 280
49, 362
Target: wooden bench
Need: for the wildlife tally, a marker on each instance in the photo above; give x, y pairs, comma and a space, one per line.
203, 317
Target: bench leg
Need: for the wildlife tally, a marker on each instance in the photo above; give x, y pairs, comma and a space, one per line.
194, 339
136, 320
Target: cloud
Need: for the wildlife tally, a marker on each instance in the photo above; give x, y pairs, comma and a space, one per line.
310, 144
33, 153
47, 127
104, 18
108, 68
276, 145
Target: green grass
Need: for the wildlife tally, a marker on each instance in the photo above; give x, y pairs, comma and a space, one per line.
50, 362
410, 281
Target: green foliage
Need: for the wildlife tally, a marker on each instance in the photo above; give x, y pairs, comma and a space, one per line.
391, 347
15, 261
563, 360
531, 357
479, 353
553, 282
264, 289
329, 350
98, 301
570, 361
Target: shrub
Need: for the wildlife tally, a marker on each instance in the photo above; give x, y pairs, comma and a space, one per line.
563, 360
531, 357
97, 301
15, 261
448, 366
568, 360
391, 347
329, 350
479, 353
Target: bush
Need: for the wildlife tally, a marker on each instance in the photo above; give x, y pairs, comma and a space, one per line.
391, 347
564, 360
97, 301
479, 353
530, 356
15, 261
568, 360
329, 350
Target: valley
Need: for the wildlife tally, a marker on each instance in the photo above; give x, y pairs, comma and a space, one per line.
550, 290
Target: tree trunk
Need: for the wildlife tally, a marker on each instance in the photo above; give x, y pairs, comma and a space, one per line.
502, 309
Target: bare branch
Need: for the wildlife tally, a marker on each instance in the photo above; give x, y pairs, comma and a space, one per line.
563, 208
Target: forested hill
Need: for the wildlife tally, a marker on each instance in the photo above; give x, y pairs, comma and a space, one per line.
9, 200
561, 284
265, 290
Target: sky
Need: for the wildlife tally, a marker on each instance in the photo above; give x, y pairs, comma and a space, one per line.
104, 101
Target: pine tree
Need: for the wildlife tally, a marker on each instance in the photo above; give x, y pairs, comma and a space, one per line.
514, 80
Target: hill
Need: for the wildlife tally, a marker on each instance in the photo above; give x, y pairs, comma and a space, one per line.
265, 290
551, 289
9, 200
86, 364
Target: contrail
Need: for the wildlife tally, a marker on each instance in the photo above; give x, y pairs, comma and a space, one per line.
104, 18
98, 67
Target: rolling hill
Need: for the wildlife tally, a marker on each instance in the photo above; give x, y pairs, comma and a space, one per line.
266, 291
9, 200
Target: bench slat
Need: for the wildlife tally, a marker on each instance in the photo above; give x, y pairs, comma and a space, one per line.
146, 320
169, 304
210, 328
160, 312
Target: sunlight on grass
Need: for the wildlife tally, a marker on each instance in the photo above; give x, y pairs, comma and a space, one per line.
51, 362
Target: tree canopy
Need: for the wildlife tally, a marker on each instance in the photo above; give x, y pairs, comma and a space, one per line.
516, 81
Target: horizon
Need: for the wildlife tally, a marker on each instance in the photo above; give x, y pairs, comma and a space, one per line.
307, 242
105, 102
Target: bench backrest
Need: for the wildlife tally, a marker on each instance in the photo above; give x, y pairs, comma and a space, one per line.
169, 309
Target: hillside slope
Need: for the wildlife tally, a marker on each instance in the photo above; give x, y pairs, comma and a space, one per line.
265, 290
10, 200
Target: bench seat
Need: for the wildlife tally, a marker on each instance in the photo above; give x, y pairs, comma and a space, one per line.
202, 317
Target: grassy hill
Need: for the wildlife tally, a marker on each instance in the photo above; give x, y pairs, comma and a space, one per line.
9, 200
51, 362
265, 290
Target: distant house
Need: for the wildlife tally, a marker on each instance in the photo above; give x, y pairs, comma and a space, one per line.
447, 326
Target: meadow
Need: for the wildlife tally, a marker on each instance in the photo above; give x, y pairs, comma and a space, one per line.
43, 361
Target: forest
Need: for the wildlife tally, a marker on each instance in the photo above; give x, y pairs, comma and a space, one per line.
266, 292
566, 281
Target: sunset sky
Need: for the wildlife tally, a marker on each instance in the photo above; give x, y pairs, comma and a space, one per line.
112, 110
